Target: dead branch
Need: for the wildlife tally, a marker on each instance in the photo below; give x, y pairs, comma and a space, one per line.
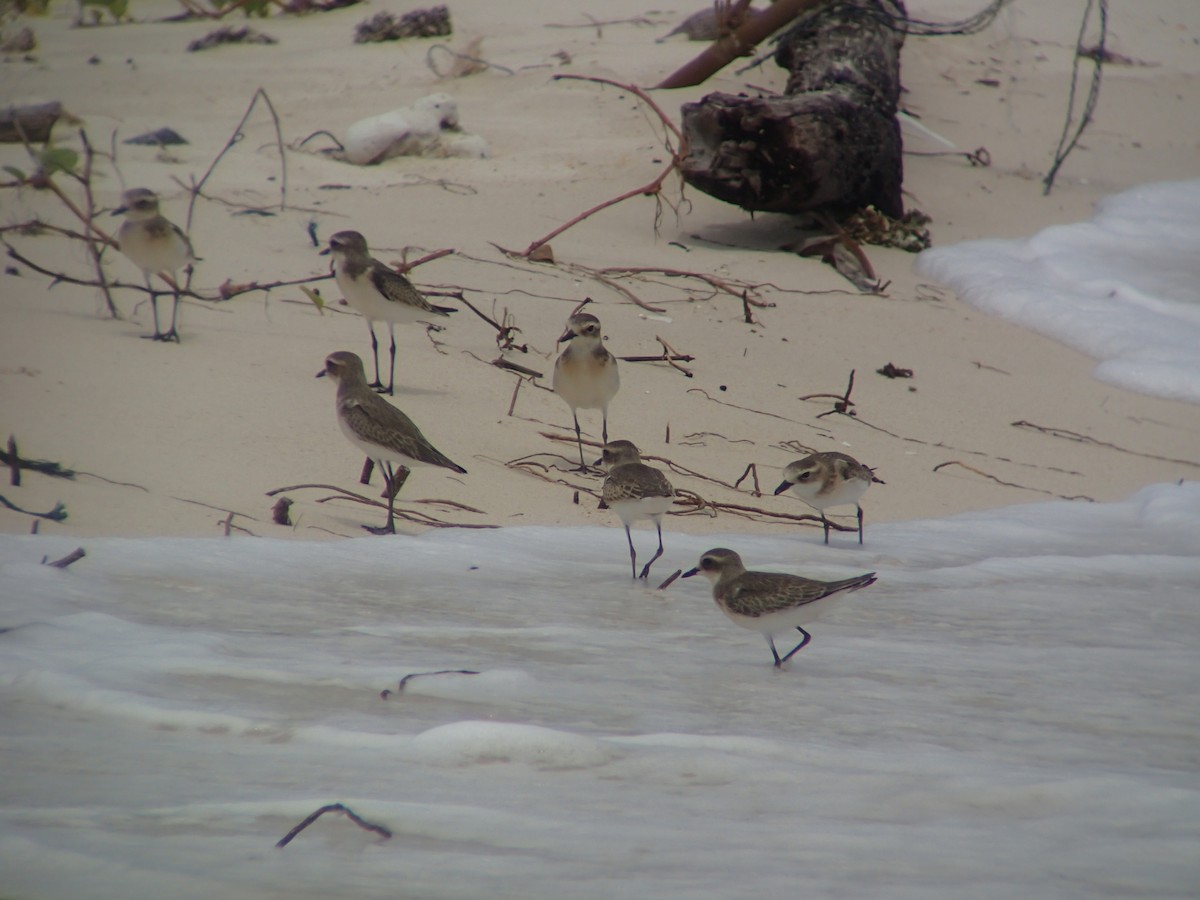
761, 412
334, 807
751, 469
670, 581
738, 43
651, 188
414, 516
506, 334
1084, 439
954, 462
843, 402
384, 694
74, 556
236, 138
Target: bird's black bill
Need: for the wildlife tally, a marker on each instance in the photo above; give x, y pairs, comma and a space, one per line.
326, 251
321, 374
783, 487
690, 572
120, 211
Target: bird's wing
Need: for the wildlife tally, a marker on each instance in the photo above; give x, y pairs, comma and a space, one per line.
378, 421
398, 289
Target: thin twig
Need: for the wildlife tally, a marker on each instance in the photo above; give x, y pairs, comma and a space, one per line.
235, 139
1024, 487
334, 807
74, 556
1084, 439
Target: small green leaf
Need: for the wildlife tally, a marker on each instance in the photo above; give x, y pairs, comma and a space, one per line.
58, 159
317, 300
15, 173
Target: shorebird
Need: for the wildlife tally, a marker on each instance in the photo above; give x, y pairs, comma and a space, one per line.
771, 603
378, 429
828, 479
585, 374
156, 245
634, 490
379, 293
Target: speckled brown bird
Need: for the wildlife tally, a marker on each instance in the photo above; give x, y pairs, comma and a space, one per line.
829, 479
771, 603
634, 490
381, 431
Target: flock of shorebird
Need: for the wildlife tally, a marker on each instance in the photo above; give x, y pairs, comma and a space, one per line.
585, 377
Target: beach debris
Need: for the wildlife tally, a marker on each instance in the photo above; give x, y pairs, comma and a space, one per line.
385, 693
228, 34
22, 40
430, 127
74, 556
334, 807
892, 371
161, 137
279, 512
16, 463
809, 149
908, 232
432, 22
58, 514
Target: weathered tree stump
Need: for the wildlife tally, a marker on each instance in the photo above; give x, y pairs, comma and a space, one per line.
832, 142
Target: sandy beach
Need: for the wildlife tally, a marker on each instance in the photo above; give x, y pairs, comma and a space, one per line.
168, 440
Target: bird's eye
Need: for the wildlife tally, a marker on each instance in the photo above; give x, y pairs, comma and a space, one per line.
804, 476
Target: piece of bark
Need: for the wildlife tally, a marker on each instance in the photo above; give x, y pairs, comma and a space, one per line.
34, 121
832, 143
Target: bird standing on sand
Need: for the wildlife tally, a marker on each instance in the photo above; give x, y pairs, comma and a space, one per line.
771, 602
634, 490
585, 374
156, 245
379, 293
828, 479
381, 431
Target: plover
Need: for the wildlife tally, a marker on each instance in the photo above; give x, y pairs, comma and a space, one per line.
634, 490
379, 293
771, 602
585, 374
156, 245
828, 479
378, 429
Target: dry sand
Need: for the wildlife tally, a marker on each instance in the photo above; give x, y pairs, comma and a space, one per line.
168, 439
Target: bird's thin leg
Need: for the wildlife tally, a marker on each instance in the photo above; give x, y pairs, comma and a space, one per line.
389, 481
604, 426
825, 523
392, 375
774, 652
632, 553
646, 570
807, 638
376, 384
153, 306
579, 440
173, 335
860, 518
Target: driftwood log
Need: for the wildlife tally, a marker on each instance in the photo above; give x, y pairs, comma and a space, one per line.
832, 141
28, 123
